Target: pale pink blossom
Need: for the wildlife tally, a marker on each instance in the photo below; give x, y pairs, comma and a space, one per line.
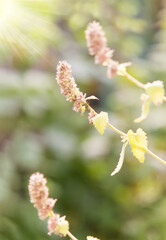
112, 69
91, 115
79, 103
37, 189
103, 55
53, 224
47, 207
58, 225
95, 37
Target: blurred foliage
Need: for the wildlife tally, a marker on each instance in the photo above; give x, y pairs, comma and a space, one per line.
40, 132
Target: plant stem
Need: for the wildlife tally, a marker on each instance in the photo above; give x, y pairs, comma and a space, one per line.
117, 130
155, 156
110, 125
71, 235
134, 80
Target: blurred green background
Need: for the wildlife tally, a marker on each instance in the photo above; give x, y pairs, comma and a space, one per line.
40, 132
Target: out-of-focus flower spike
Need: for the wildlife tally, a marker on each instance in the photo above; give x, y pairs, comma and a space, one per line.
37, 189
95, 36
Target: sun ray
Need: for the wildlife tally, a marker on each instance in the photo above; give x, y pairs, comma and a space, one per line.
22, 26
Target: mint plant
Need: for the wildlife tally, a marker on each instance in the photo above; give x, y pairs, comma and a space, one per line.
97, 45
39, 197
154, 92
137, 141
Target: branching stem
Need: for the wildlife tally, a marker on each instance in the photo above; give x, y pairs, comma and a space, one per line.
117, 130
134, 80
155, 156
124, 134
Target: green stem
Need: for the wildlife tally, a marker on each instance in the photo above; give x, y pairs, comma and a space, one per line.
117, 130
155, 156
71, 236
134, 80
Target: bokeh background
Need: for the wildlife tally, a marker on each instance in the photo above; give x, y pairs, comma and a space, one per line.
40, 132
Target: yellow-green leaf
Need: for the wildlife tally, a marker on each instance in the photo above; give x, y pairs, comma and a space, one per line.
100, 121
156, 92
145, 99
138, 143
121, 159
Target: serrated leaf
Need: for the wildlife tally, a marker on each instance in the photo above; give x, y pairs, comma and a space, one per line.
138, 143
121, 159
145, 99
156, 92
92, 98
100, 121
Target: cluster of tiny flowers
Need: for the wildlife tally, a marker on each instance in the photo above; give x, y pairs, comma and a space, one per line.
96, 39
97, 45
91, 115
39, 196
71, 91
69, 87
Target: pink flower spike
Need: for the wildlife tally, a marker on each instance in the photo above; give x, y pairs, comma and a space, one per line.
66, 81
95, 37
69, 87
37, 189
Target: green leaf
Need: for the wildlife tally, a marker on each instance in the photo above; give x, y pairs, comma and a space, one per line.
145, 99
156, 92
100, 121
138, 143
121, 159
